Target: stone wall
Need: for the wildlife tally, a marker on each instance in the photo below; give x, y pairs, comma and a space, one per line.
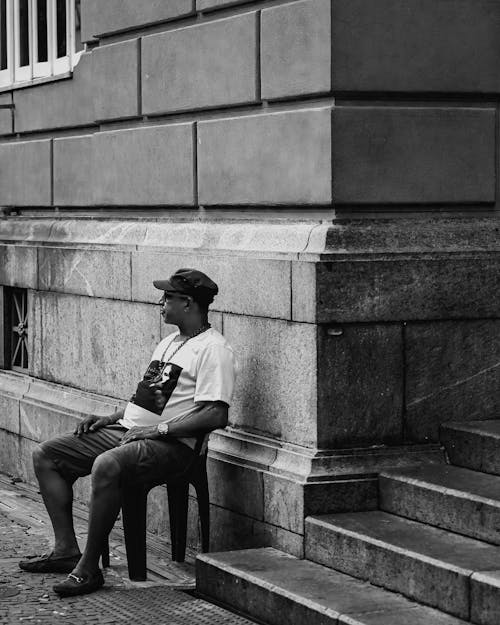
333, 164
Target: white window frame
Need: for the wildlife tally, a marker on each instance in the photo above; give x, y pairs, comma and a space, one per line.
6, 75
15, 74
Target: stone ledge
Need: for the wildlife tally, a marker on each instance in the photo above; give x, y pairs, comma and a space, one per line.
307, 240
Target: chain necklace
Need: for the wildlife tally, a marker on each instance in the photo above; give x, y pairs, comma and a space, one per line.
200, 330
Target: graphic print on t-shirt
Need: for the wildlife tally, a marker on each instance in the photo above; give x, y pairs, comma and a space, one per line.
159, 375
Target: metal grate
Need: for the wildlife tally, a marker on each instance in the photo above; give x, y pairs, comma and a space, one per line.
17, 325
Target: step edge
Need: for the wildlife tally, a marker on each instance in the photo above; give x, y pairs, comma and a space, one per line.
467, 572
427, 485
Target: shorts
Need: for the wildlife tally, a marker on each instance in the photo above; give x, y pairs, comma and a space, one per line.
144, 461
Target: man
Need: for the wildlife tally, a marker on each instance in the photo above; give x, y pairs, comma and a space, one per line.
185, 393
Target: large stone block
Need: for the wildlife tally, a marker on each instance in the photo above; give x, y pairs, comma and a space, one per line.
6, 127
25, 175
200, 66
228, 480
12, 388
282, 158
275, 391
35, 334
94, 273
296, 49
107, 353
73, 171
18, 266
423, 45
452, 374
230, 530
446, 286
360, 385
100, 18
247, 286
9, 454
115, 80
389, 155
145, 166
59, 104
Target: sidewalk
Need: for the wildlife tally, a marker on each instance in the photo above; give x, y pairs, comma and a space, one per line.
29, 598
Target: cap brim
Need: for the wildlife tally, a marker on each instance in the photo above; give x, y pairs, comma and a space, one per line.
164, 285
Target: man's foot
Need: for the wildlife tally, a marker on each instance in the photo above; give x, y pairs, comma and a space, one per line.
79, 585
48, 563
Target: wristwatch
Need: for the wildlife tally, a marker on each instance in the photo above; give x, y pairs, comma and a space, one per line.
162, 429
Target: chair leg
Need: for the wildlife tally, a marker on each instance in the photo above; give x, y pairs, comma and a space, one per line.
178, 500
105, 553
134, 504
201, 486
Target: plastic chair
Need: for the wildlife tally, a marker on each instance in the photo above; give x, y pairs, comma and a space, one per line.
134, 507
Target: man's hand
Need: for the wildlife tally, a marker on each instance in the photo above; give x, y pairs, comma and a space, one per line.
139, 433
93, 423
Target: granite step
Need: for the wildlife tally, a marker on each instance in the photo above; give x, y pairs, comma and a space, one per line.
463, 501
278, 589
429, 565
474, 445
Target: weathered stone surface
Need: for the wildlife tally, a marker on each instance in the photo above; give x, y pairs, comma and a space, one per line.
200, 66
247, 286
405, 46
462, 501
85, 272
115, 80
5, 121
424, 563
278, 589
286, 160
283, 502
474, 445
18, 266
414, 155
452, 374
68, 102
25, 173
35, 334
107, 353
12, 388
360, 385
275, 392
296, 49
9, 453
114, 15
485, 597
340, 496
230, 530
227, 481
144, 166
389, 290
73, 171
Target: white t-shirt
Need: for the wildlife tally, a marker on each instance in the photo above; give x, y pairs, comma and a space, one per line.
203, 369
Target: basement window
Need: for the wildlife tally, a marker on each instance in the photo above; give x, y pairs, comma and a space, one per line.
38, 39
15, 326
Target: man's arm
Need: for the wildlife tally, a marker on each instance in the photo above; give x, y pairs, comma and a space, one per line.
92, 423
209, 416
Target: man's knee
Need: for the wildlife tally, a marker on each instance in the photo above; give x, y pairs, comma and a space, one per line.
41, 460
105, 469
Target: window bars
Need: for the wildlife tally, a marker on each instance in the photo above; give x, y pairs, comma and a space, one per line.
16, 329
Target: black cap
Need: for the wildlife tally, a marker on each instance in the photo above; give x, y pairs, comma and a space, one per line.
190, 282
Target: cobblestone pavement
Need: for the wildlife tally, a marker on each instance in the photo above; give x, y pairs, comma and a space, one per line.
29, 598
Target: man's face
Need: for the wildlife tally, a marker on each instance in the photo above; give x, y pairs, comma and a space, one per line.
173, 306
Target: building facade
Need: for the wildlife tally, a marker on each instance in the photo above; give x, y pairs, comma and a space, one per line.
332, 164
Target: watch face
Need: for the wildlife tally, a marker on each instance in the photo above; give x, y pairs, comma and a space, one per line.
163, 428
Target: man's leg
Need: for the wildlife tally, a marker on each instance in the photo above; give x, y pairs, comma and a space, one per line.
104, 507
57, 495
